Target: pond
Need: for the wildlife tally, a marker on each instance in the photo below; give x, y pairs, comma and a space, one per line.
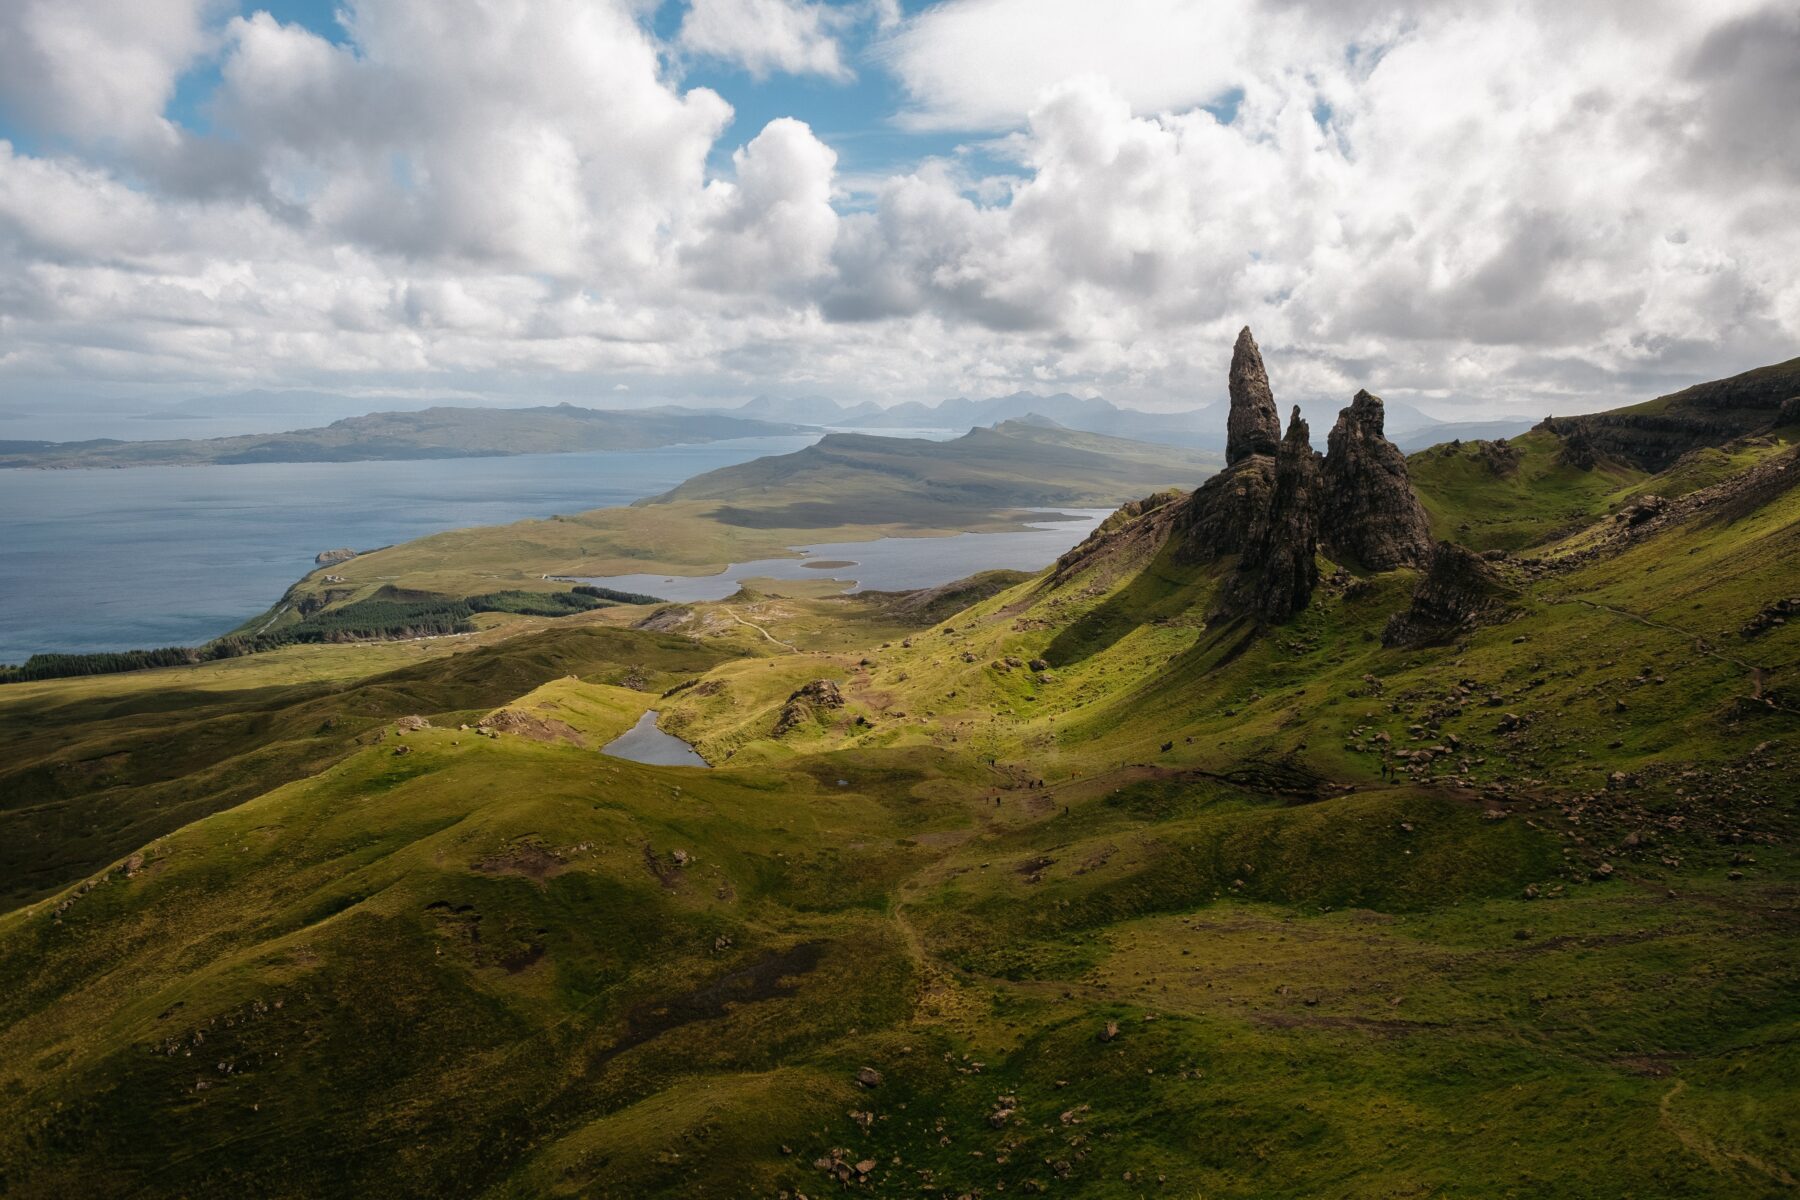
885, 564
645, 743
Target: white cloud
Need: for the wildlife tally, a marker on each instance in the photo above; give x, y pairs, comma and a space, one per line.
1540, 204
98, 70
795, 37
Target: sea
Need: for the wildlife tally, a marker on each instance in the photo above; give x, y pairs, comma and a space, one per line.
143, 557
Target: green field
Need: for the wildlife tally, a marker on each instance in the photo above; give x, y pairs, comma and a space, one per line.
1075, 894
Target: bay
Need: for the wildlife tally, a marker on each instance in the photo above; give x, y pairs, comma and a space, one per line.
161, 556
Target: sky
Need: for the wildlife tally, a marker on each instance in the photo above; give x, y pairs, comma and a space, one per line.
1482, 208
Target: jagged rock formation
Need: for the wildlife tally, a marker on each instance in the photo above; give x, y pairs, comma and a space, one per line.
1368, 514
1277, 501
1459, 590
1254, 424
1279, 567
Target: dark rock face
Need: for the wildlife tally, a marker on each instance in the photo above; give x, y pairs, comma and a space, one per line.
1218, 517
1368, 515
1254, 426
1279, 569
1459, 590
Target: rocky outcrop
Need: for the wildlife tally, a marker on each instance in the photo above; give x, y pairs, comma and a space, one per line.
807, 703
1279, 568
330, 558
1254, 424
1578, 450
1459, 591
1368, 514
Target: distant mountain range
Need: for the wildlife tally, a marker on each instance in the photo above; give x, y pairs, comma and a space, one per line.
445, 431
1200, 428
428, 433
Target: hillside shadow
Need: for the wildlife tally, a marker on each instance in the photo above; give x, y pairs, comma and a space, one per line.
1160, 591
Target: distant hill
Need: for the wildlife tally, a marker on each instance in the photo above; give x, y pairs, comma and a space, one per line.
428, 433
855, 477
806, 410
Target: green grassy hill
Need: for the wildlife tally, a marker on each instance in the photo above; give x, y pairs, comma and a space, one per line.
1068, 892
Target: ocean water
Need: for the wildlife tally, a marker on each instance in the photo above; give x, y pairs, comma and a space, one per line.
168, 556
886, 564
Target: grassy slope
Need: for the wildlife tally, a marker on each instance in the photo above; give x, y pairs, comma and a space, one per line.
1324, 982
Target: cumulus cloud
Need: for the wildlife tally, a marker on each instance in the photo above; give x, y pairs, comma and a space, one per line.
795, 37
1536, 205
98, 70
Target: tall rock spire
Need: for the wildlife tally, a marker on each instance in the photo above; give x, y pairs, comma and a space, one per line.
1277, 573
1254, 426
1368, 514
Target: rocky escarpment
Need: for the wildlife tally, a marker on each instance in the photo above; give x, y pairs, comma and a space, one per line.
1368, 514
1458, 591
1279, 567
1652, 436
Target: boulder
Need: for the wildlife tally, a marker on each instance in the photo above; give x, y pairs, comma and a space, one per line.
1458, 591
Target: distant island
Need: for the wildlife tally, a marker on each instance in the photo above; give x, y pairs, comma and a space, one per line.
426, 433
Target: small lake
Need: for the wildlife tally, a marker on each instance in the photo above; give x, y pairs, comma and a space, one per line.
894, 564
645, 743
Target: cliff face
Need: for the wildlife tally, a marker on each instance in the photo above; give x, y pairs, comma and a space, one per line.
1652, 436
1368, 514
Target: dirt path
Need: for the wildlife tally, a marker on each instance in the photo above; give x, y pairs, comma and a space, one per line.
753, 625
1717, 1157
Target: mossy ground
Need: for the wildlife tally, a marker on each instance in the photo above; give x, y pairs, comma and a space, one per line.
1171, 913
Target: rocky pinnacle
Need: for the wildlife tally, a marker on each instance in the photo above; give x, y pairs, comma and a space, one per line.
1276, 575
1368, 514
1254, 426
